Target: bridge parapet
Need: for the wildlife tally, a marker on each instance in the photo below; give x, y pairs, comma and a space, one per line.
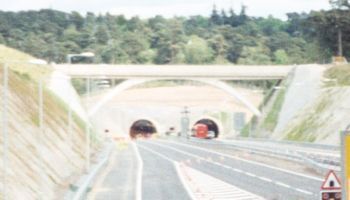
221, 72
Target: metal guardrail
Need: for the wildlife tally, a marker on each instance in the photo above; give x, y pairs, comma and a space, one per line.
80, 194
320, 164
302, 144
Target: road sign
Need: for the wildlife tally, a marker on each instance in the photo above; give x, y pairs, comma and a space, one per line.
331, 187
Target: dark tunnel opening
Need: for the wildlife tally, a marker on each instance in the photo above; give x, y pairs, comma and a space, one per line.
212, 126
142, 128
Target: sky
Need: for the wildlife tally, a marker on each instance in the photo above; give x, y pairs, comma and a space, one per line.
168, 8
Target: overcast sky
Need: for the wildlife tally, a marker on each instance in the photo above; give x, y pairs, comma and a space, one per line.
168, 8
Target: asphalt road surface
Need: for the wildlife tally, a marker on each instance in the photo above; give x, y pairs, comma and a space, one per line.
180, 169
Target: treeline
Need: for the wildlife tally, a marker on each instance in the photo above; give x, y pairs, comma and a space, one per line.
223, 37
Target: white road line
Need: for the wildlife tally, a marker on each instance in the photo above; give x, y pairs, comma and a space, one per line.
282, 184
264, 179
207, 187
247, 161
234, 169
138, 193
182, 179
250, 174
303, 191
186, 186
237, 170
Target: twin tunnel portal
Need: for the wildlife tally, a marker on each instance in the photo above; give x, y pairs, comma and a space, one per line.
136, 75
146, 128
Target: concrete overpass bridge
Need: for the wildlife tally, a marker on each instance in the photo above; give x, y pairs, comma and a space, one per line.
213, 75
213, 72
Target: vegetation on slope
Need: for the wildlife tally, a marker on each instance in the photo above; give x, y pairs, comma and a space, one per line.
22, 64
340, 74
60, 160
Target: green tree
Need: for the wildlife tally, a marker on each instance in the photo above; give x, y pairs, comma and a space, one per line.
114, 54
102, 34
257, 55
215, 18
219, 46
133, 44
280, 57
77, 20
197, 51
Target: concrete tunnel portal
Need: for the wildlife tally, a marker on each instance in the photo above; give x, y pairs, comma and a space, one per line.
211, 124
143, 128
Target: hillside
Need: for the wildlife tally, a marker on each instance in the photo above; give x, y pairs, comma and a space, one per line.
322, 119
223, 37
37, 164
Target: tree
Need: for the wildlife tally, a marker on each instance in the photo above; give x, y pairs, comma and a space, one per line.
77, 20
271, 25
224, 18
133, 44
233, 18
114, 54
219, 46
339, 3
332, 29
197, 51
243, 17
280, 57
254, 55
215, 18
102, 34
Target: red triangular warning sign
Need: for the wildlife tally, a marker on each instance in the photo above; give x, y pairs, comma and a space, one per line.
331, 182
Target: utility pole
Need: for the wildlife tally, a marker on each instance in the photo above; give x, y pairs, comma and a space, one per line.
40, 140
185, 121
5, 130
70, 134
340, 42
87, 128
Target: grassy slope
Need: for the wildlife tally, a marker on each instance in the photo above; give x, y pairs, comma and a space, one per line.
21, 63
341, 73
61, 161
320, 113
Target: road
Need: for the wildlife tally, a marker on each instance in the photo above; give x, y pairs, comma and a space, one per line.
181, 169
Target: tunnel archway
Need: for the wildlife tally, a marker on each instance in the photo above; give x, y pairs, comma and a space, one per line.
133, 82
143, 128
211, 124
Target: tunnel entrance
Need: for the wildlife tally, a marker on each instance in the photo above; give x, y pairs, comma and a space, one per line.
142, 128
212, 126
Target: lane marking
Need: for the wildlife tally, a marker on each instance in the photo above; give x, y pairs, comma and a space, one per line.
303, 191
231, 168
250, 174
247, 161
282, 184
264, 179
209, 187
182, 179
138, 194
177, 168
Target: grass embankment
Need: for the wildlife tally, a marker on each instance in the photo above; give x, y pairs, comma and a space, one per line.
311, 121
271, 118
340, 73
21, 64
61, 160
304, 131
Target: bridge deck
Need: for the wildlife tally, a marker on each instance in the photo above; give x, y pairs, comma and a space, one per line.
222, 72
